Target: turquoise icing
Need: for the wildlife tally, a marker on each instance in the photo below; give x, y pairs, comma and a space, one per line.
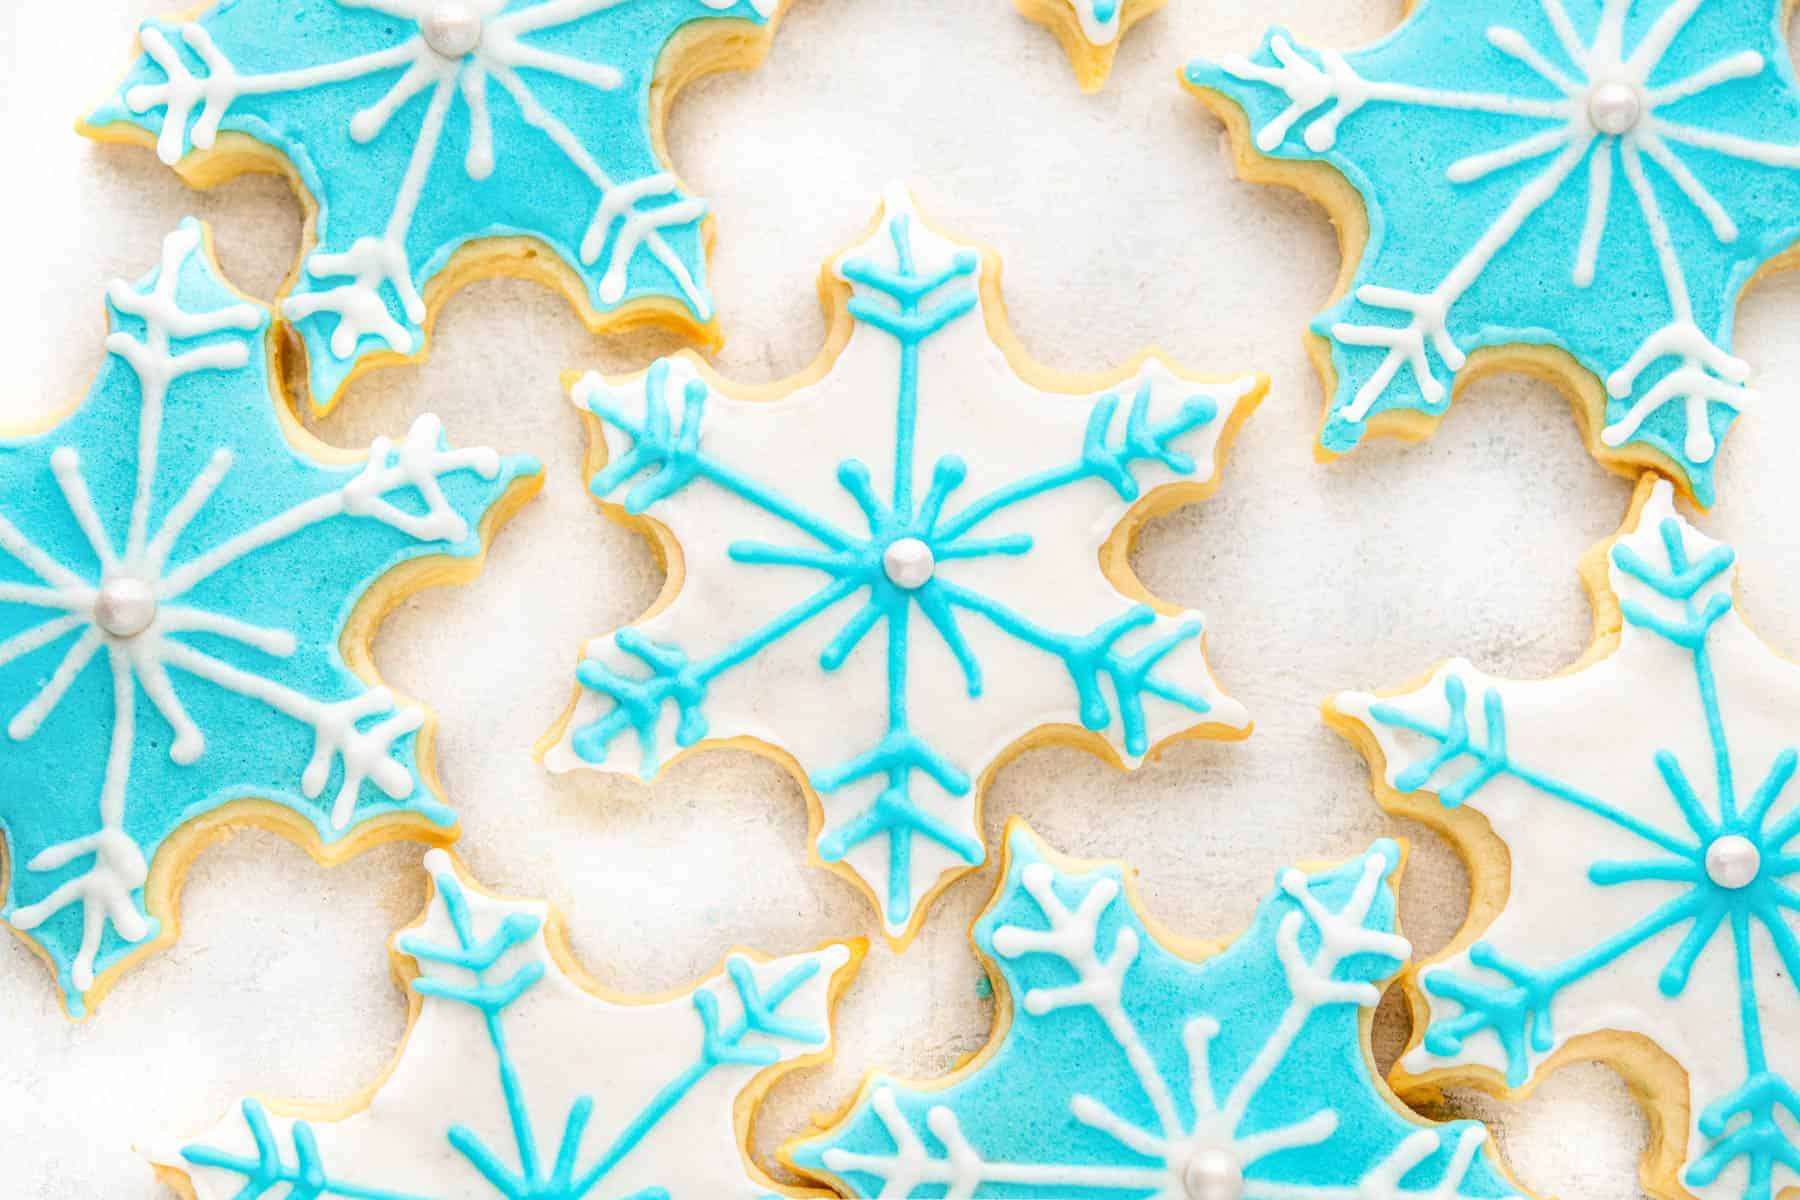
540, 186
1726, 213
1515, 1002
490, 993
668, 454
1062, 1074
52, 781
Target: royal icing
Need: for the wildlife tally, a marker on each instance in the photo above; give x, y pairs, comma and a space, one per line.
1099, 19
517, 1083
892, 573
421, 126
175, 579
1600, 178
1128, 1070
1647, 807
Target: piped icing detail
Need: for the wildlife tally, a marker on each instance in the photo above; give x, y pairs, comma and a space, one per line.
1647, 804
422, 126
175, 580
1598, 178
905, 553
517, 1083
1128, 1070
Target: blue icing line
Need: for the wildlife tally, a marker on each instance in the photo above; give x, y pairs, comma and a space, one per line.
1476, 155
227, 690
403, 172
1129, 1071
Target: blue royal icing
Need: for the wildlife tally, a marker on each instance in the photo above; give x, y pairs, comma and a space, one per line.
1128, 1070
915, 576
642, 1094
1647, 807
1602, 179
421, 126
175, 580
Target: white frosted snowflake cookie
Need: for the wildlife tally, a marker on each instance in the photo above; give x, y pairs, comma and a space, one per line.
1633, 836
521, 1079
902, 568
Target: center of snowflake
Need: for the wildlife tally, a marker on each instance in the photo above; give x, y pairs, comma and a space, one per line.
452, 29
125, 607
909, 564
1733, 862
1615, 108
1213, 1172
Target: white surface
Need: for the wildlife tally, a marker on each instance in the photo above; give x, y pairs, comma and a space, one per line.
1121, 224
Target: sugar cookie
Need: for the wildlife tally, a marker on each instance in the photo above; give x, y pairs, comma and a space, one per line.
1630, 829
521, 1078
188, 586
436, 142
923, 478
1089, 30
1128, 1063
1573, 189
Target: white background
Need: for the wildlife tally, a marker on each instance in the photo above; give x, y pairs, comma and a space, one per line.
1121, 224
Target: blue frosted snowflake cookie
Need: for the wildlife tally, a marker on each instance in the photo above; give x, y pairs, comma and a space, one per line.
1129, 1070
1633, 832
1579, 188
438, 140
1089, 30
188, 584
520, 1080
906, 567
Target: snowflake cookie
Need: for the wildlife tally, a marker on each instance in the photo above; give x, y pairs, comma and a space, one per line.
1633, 836
1089, 30
438, 141
188, 585
520, 1079
902, 569
1133, 1065
1579, 189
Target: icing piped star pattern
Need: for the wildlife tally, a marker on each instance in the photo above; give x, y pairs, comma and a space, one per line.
420, 126
507, 1035
903, 549
1646, 802
175, 582
1600, 178
1129, 1070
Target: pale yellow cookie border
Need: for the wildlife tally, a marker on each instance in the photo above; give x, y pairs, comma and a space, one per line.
176, 854
1093, 64
556, 939
1327, 187
1191, 949
1658, 1083
1115, 552
706, 47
